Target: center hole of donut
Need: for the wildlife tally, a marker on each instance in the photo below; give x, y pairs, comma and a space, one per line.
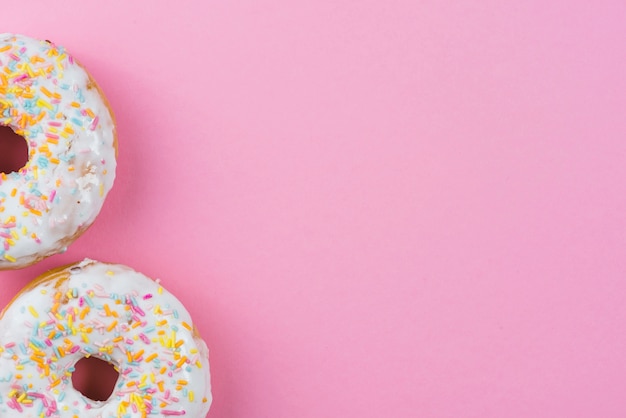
94, 378
13, 150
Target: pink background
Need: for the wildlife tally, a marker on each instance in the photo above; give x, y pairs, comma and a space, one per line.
371, 208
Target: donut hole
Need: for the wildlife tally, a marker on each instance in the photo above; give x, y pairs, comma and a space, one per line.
13, 150
94, 378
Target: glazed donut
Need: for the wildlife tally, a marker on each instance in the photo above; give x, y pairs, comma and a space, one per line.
50, 100
117, 315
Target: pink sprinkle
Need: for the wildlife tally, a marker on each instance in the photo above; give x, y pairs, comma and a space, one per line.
94, 123
139, 311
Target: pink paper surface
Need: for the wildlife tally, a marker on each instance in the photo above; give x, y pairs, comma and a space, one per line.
371, 208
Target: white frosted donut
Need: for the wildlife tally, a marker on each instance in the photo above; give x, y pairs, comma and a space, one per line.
50, 100
113, 313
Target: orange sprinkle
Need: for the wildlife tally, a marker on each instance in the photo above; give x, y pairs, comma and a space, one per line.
138, 354
46, 91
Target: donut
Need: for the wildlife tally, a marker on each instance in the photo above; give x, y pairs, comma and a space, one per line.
112, 313
48, 98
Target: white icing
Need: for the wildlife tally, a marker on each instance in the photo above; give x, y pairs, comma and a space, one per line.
47, 98
155, 330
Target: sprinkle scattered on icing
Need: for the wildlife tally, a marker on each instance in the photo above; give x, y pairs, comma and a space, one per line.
48, 99
100, 310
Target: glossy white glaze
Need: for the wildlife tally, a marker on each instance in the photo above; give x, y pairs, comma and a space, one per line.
51, 101
120, 316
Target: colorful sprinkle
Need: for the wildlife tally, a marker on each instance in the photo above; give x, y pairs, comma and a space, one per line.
157, 356
50, 101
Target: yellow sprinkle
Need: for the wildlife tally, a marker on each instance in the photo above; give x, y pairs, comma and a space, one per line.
43, 103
